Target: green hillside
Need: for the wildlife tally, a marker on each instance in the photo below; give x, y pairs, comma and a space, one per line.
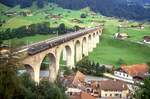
111, 51
3, 7
108, 51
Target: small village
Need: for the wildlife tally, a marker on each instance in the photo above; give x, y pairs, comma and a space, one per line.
121, 84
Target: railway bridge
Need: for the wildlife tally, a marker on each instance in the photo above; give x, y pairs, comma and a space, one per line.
73, 46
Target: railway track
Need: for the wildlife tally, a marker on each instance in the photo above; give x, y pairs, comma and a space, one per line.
43, 45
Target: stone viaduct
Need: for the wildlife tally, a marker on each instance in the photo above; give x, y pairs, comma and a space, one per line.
74, 45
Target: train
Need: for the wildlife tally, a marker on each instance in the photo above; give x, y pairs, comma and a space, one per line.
52, 43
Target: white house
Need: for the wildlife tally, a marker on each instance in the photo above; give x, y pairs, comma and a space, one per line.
146, 39
110, 89
123, 75
71, 91
121, 36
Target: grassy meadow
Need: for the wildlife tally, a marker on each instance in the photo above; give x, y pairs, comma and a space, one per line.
111, 51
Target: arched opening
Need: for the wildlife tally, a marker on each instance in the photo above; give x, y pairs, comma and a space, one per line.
78, 51
94, 40
84, 47
97, 33
27, 69
48, 67
65, 57
93, 35
89, 43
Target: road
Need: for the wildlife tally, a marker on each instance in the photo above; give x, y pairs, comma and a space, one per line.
94, 78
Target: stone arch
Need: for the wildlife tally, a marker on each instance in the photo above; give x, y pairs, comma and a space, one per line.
94, 40
29, 69
67, 55
78, 51
94, 35
50, 72
97, 33
90, 47
84, 46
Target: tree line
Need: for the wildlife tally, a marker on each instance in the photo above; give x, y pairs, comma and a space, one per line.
33, 29
111, 8
89, 67
23, 3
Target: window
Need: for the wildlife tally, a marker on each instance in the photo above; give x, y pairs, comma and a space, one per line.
70, 93
120, 73
95, 92
123, 74
120, 95
116, 94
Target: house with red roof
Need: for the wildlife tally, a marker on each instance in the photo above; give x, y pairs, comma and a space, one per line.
136, 72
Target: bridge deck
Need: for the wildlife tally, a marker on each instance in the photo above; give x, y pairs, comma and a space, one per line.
43, 45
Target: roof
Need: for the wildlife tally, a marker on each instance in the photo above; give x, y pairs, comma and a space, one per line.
79, 77
83, 95
111, 85
147, 38
123, 34
136, 69
74, 79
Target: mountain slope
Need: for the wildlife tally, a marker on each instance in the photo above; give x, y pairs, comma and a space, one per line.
118, 8
129, 9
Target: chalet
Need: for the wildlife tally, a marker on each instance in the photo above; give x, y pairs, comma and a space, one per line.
146, 39
121, 35
9, 14
113, 89
26, 13
123, 75
137, 71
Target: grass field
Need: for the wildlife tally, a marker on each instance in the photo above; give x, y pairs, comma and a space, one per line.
28, 40
110, 51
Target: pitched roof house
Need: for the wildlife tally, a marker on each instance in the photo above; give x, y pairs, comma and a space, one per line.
136, 70
146, 39
113, 89
121, 35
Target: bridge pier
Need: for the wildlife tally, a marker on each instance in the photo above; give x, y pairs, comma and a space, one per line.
97, 38
37, 74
